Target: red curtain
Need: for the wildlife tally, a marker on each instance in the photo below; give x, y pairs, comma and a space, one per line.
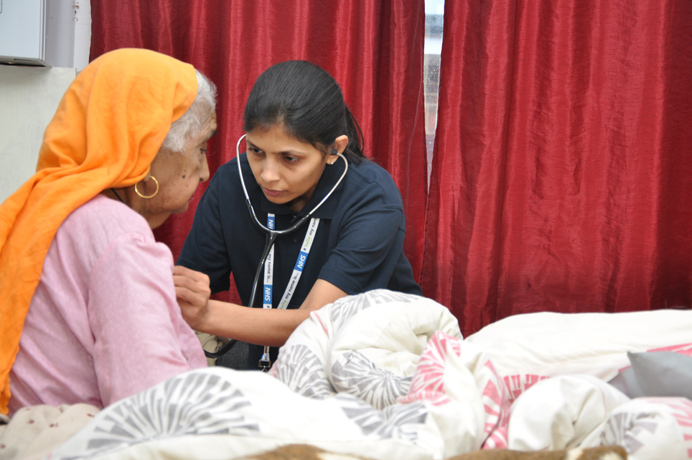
374, 49
562, 169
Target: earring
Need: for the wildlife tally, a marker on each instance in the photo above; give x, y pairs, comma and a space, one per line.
146, 197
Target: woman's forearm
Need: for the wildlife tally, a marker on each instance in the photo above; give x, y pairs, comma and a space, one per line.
253, 325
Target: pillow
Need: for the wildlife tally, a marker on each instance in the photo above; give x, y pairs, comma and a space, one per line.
530, 347
656, 373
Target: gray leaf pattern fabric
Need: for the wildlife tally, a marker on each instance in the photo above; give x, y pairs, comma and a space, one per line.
620, 423
304, 366
393, 422
301, 369
358, 376
192, 403
349, 306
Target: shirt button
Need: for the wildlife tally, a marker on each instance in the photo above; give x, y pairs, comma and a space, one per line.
295, 239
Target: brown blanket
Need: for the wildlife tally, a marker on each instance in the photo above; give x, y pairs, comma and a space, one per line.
306, 452
594, 453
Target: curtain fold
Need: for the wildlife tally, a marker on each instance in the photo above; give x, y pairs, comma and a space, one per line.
562, 167
374, 49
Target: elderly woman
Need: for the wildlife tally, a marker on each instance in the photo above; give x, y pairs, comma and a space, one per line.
89, 311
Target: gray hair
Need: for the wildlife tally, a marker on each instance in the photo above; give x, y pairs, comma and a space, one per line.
191, 122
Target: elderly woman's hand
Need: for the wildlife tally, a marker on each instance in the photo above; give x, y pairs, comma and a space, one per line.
192, 290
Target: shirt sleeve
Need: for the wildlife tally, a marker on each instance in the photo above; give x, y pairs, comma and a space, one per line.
368, 249
140, 337
205, 248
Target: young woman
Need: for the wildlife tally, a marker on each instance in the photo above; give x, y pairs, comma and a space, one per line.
304, 167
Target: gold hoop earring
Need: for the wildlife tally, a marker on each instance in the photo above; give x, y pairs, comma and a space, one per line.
146, 197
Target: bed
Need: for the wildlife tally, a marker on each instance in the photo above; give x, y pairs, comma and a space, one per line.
385, 375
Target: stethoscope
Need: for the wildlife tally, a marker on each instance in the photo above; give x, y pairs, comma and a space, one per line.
270, 237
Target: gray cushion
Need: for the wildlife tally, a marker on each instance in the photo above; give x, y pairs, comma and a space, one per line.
656, 373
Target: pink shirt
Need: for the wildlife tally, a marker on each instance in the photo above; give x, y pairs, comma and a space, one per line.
104, 322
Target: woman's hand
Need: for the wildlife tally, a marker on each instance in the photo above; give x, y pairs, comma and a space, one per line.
254, 325
192, 290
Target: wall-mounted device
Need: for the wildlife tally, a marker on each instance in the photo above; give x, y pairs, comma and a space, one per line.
37, 32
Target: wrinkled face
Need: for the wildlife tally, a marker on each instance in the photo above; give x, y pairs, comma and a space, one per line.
180, 173
287, 169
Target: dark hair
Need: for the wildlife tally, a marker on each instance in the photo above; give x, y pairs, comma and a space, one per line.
308, 102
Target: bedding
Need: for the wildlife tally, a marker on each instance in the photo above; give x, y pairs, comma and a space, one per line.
561, 412
530, 347
651, 428
36, 430
387, 375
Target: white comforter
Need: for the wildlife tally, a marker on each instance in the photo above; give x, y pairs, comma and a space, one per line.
381, 375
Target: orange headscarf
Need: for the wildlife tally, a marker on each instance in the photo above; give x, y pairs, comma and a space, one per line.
106, 131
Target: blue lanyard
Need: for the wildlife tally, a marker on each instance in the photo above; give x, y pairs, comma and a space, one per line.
297, 269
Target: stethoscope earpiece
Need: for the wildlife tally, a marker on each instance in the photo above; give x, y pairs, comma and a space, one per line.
293, 228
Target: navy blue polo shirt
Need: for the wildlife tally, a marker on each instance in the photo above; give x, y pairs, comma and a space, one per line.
358, 246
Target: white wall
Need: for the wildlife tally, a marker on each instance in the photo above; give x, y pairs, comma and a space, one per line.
30, 95
28, 99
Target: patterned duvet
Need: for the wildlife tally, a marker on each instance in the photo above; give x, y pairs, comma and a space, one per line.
381, 375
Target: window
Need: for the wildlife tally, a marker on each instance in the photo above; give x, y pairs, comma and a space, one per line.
434, 13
